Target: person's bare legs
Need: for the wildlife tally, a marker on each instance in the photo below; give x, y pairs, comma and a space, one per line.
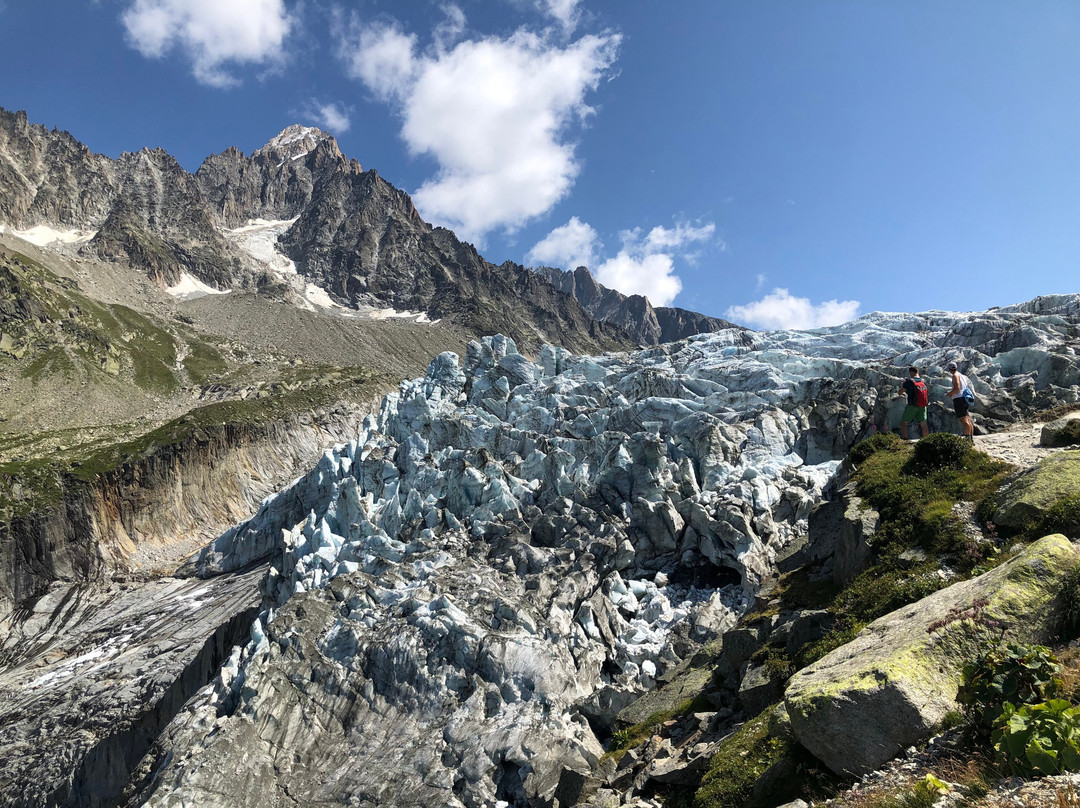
903, 430
969, 428
925, 428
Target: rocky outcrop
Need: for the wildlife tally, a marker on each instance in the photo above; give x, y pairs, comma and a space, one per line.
142, 209
50, 177
278, 181
146, 515
347, 231
865, 702
362, 240
1025, 499
95, 675
634, 314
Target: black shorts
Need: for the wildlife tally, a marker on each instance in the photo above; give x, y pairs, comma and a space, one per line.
960, 405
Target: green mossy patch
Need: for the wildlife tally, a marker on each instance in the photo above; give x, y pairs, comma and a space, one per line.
914, 490
761, 765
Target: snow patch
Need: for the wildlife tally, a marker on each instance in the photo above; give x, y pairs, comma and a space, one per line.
258, 238
191, 288
320, 297
42, 235
104, 652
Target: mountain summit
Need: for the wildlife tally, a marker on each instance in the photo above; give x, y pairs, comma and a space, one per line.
295, 142
333, 233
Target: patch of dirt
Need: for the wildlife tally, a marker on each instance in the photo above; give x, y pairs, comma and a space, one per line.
1019, 446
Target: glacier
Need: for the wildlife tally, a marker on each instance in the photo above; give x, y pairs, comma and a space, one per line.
461, 599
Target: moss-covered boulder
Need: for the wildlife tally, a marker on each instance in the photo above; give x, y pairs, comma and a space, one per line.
1024, 500
892, 685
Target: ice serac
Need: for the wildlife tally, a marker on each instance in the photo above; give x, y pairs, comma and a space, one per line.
465, 595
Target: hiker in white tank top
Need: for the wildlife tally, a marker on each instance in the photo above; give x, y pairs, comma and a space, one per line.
960, 382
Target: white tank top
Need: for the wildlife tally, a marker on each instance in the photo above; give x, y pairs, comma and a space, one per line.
965, 382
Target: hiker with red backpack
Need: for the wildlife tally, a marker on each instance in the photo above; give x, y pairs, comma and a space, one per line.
918, 398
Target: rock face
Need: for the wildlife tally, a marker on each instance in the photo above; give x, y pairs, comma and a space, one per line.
1027, 497
865, 702
134, 519
634, 314
93, 676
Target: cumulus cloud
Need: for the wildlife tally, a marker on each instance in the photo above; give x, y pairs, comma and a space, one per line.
781, 310
212, 34
645, 264
333, 116
495, 113
573, 245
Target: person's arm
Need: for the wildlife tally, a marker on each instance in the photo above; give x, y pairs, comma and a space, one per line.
955, 386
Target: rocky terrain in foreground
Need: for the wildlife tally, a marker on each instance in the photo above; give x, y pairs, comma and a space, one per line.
510, 566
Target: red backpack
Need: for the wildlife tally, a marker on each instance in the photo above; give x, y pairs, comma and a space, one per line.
922, 395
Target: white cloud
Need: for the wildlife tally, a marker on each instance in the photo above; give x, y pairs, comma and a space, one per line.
570, 246
211, 33
495, 113
649, 275
565, 11
381, 56
761, 278
333, 117
646, 265
450, 30
780, 310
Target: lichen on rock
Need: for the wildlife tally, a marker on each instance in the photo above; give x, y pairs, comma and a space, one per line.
860, 705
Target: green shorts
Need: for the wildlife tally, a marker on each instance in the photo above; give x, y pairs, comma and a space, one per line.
913, 414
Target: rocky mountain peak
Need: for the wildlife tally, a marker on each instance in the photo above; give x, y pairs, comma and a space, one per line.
296, 141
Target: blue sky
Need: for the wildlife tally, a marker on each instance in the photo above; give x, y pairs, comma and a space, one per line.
786, 163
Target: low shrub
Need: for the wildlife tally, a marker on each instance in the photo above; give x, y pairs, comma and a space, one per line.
1039, 739
1005, 676
880, 442
942, 450
1070, 604
1062, 517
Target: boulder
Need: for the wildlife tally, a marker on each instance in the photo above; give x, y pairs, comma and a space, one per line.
865, 702
1030, 494
1062, 432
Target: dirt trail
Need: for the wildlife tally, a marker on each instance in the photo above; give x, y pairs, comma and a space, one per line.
1019, 445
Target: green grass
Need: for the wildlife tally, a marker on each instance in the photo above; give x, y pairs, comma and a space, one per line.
203, 361
108, 338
